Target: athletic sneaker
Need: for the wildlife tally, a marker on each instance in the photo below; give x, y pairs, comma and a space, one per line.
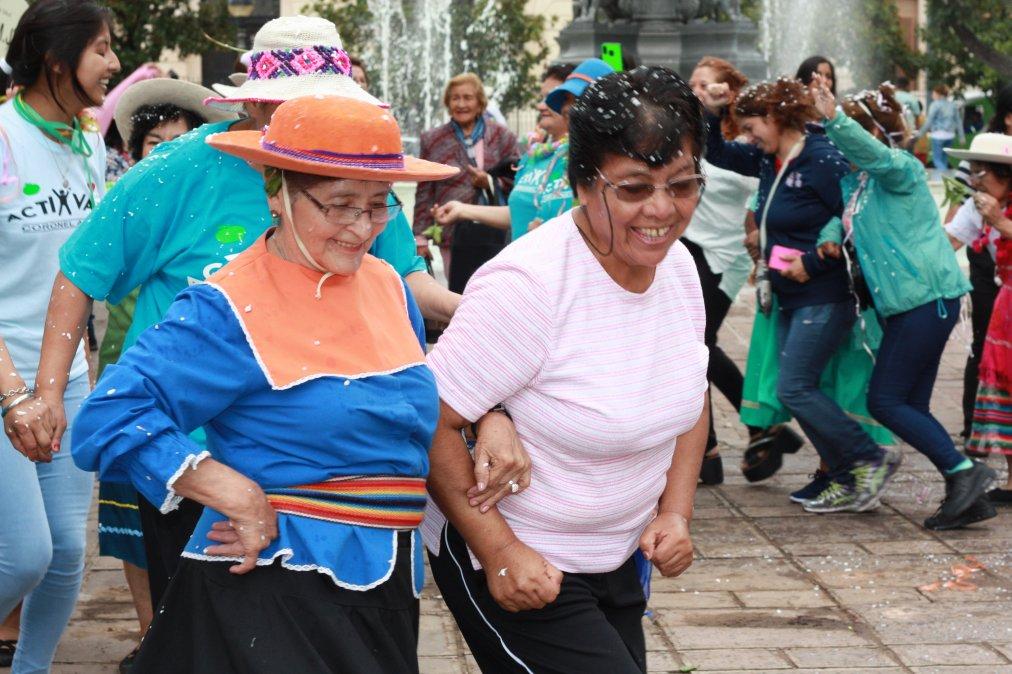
982, 509
837, 497
872, 477
820, 480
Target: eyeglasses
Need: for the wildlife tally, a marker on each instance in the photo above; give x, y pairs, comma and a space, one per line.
342, 216
681, 189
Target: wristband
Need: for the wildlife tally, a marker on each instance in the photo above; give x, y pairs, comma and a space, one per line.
500, 408
14, 392
14, 403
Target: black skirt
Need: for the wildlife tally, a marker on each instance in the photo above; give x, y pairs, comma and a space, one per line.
275, 620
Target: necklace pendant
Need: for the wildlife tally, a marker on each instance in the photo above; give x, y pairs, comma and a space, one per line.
66, 183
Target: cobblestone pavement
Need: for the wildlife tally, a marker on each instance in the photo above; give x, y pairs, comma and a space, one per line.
773, 588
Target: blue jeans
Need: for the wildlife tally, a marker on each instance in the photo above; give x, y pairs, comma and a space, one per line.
938, 156
899, 395
808, 337
43, 511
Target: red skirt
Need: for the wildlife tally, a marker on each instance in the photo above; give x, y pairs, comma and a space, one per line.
992, 414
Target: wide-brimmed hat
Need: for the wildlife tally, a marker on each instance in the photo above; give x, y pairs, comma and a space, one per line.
291, 57
186, 95
582, 77
332, 136
992, 147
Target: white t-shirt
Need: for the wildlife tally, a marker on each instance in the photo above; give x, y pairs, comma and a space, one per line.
600, 382
718, 226
967, 226
37, 214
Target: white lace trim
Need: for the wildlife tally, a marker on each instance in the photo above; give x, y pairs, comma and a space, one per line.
287, 553
172, 499
318, 375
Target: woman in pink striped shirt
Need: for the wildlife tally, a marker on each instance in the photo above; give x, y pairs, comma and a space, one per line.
590, 332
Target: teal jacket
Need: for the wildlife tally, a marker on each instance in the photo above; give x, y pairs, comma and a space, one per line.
904, 253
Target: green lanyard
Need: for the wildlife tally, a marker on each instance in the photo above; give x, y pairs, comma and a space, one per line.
59, 132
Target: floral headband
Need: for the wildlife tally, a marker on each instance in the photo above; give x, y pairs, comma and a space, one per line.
279, 63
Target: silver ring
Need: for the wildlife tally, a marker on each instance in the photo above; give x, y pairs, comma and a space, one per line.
514, 487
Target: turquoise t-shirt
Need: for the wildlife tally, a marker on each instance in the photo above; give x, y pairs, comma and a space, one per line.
176, 218
540, 190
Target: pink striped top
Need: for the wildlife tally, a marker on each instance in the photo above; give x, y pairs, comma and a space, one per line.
599, 381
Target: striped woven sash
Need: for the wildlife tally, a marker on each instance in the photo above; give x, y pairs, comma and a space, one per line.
382, 501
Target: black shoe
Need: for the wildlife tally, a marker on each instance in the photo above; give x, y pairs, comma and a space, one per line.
981, 509
712, 470
127, 663
1000, 496
765, 453
7, 648
962, 489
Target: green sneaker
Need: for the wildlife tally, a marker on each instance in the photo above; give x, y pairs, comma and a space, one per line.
833, 499
872, 477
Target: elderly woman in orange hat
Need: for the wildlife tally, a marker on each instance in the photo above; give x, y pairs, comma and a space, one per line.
303, 359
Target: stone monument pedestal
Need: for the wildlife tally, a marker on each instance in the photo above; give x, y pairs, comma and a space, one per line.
668, 43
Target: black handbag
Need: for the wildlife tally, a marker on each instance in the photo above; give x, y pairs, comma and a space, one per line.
858, 284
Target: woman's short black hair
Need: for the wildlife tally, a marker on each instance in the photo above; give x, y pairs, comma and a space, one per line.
1002, 109
49, 32
148, 117
810, 66
646, 113
558, 71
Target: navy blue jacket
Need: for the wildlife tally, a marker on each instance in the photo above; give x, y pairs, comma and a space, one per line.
807, 198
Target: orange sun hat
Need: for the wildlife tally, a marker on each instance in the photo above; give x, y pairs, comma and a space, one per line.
332, 136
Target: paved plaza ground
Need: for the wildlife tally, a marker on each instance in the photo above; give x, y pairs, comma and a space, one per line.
772, 588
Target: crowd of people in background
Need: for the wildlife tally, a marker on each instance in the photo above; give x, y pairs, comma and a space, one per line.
277, 445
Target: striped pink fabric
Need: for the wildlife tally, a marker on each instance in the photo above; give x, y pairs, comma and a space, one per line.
599, 381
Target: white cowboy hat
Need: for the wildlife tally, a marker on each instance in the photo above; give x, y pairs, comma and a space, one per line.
237, 80
992, 147
291, 57
186, 95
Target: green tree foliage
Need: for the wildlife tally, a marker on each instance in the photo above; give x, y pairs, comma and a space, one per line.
145, 28
969, 42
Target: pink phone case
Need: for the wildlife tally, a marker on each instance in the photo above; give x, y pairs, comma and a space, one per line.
776, 257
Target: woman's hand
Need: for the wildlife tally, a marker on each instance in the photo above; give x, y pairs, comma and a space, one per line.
449, 213
667, 544
796, 271
752, 244
53, 399
988, 207
479, 178
30, 425
825, 102
251, 527
829, 249
501, 464
519, 579
716, 97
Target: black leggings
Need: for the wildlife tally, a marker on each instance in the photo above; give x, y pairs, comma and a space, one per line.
722, 371
982, 297
594, 626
